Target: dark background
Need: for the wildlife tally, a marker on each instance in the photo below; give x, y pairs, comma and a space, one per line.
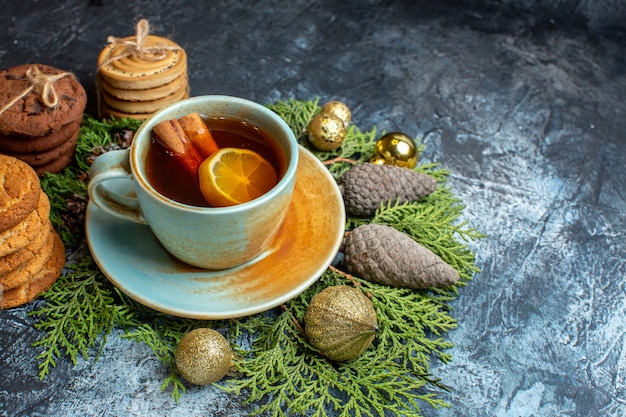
524, 102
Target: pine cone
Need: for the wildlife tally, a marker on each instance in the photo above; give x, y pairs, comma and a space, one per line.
365, 187
384, 255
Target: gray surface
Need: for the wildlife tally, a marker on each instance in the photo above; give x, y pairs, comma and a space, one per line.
526, 109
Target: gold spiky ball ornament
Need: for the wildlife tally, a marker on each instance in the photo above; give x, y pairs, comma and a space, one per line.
397, 149
203, 356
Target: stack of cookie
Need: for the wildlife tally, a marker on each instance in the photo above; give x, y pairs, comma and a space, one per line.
41, 109
32, 255
139, 75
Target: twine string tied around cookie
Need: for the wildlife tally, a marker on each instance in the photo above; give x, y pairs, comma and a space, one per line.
138, 47
42, 84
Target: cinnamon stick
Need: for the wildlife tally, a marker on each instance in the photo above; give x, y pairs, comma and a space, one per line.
171, 135
199, 134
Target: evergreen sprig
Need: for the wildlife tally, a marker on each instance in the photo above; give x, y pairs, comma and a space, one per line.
277, 369
78, 314
356, 147
285, 375
82, 308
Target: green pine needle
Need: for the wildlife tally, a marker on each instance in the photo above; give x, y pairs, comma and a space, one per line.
277, 370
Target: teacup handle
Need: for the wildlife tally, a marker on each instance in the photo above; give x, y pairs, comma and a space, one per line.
113, 166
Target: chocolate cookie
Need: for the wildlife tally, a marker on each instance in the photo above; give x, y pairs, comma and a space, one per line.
39, 282
12, 144
29, 116
20, 235
57, 165
46, 157
19, 191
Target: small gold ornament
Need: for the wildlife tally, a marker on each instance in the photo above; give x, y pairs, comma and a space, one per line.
340, 322
203, 356
397, 149
340, 110
326, 131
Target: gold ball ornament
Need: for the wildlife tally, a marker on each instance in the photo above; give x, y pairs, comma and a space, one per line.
203, 356
340, 322
340, 110
326, 131
397, 149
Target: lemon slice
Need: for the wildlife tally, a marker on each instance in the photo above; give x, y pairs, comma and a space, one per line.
233, 176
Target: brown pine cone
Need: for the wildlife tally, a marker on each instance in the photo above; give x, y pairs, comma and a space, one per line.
365, 187
384, 255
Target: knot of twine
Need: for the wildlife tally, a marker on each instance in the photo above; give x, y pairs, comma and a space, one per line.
137, 47
42, 84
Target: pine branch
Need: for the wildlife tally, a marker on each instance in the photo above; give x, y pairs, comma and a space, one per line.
285, 375
279, 371
296, 114
78, 314
357, 144
163, 347
97, 137
64, 190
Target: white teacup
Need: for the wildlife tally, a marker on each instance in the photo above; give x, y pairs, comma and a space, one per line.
205, 237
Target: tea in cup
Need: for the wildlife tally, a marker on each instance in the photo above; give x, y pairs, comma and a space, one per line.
169, 199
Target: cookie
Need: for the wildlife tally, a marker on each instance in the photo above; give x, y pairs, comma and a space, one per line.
19, 258
29, 116
19, 192
147, 106
22, 274
43, 158
106, 112
14, 144
155, 93
125, 71
57, 165
20, 235
40, 282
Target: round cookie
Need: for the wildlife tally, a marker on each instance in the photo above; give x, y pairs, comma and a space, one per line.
46, 157
29, 116
23, 274
19, 191
57, 165
40, 282
106, 111
20, 235
18, 259
147, 106
132, 72
155, 93
13, 144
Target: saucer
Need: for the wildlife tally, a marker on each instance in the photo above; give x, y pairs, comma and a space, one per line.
131, 257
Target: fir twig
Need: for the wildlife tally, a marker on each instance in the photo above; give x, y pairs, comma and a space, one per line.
78, 314
279, 371
357, 146
285, 375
